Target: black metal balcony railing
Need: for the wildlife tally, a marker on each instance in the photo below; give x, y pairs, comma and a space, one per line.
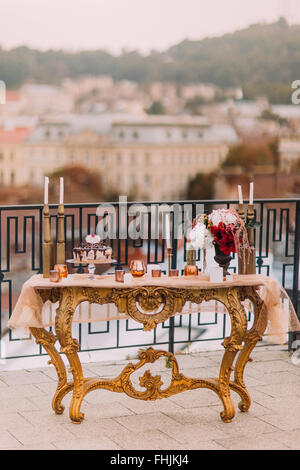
277, 254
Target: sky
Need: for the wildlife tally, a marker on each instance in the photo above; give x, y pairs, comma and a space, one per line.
130, 24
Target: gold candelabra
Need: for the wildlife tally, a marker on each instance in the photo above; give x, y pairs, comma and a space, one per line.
251, 263
247, 216
60, 244
47, 249
241, 266
169, 259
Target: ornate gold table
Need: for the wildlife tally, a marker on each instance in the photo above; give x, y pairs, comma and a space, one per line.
139, 303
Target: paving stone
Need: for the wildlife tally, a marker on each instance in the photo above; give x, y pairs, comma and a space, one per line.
41, 446
110, 410
200, 445
251, 443
147, 440
245, 425
282, 420
7, 441
203, 415
146, 422
196, 398
93, 426
101, 443
39, 434
190, 420
260, 367
281, 389
24, 377
20, 391
16, 403
289, 438
142, 406
195, 433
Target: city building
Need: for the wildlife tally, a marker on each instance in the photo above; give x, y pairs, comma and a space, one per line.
146, 158
289, 149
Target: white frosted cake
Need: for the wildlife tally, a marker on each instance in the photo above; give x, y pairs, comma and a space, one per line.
93, 249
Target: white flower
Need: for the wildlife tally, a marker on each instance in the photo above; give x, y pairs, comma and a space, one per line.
200, 237
92, 239
222, 215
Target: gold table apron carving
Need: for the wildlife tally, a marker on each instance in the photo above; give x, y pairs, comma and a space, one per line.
238, 345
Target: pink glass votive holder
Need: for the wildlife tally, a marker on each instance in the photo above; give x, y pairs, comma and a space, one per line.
119, 275
173, 273
54, 275
156, 272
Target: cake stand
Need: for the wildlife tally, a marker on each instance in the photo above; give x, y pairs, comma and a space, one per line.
91, 265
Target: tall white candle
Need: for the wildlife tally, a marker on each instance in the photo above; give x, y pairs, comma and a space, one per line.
61, 190
46, 190
240, 194
168, 231
251, 193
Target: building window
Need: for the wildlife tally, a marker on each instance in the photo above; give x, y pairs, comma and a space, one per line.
147, 180
147, 158
12, 178
135, 135
47, 133
184, 134
121, 135
132, 158
87, 159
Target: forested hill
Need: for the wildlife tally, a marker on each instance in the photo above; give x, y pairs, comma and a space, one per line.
263, 59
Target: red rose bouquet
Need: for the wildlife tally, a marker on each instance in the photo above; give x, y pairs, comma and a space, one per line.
229, 232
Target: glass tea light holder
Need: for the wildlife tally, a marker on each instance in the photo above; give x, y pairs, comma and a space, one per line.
156, 272
54, 275
173, 273
137, 268
119, 275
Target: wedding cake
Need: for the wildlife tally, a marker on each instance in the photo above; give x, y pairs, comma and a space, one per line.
93, 249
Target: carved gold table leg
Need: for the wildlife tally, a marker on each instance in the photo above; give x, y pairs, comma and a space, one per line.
251, 338
232, 345
69, 346
47, 340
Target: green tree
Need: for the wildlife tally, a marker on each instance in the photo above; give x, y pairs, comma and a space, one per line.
249, 156
201, 187
156, 108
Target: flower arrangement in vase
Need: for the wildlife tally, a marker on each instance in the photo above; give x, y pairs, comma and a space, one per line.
223, 229
230, 236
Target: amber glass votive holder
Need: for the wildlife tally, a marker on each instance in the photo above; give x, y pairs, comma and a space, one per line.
54, 275
119, 275
156, 272
62, 269
137, 268
173, 273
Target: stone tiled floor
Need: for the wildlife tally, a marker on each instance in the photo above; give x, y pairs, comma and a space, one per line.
189, 420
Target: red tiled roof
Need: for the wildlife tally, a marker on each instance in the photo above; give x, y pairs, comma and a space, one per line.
14, 136
12, 95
